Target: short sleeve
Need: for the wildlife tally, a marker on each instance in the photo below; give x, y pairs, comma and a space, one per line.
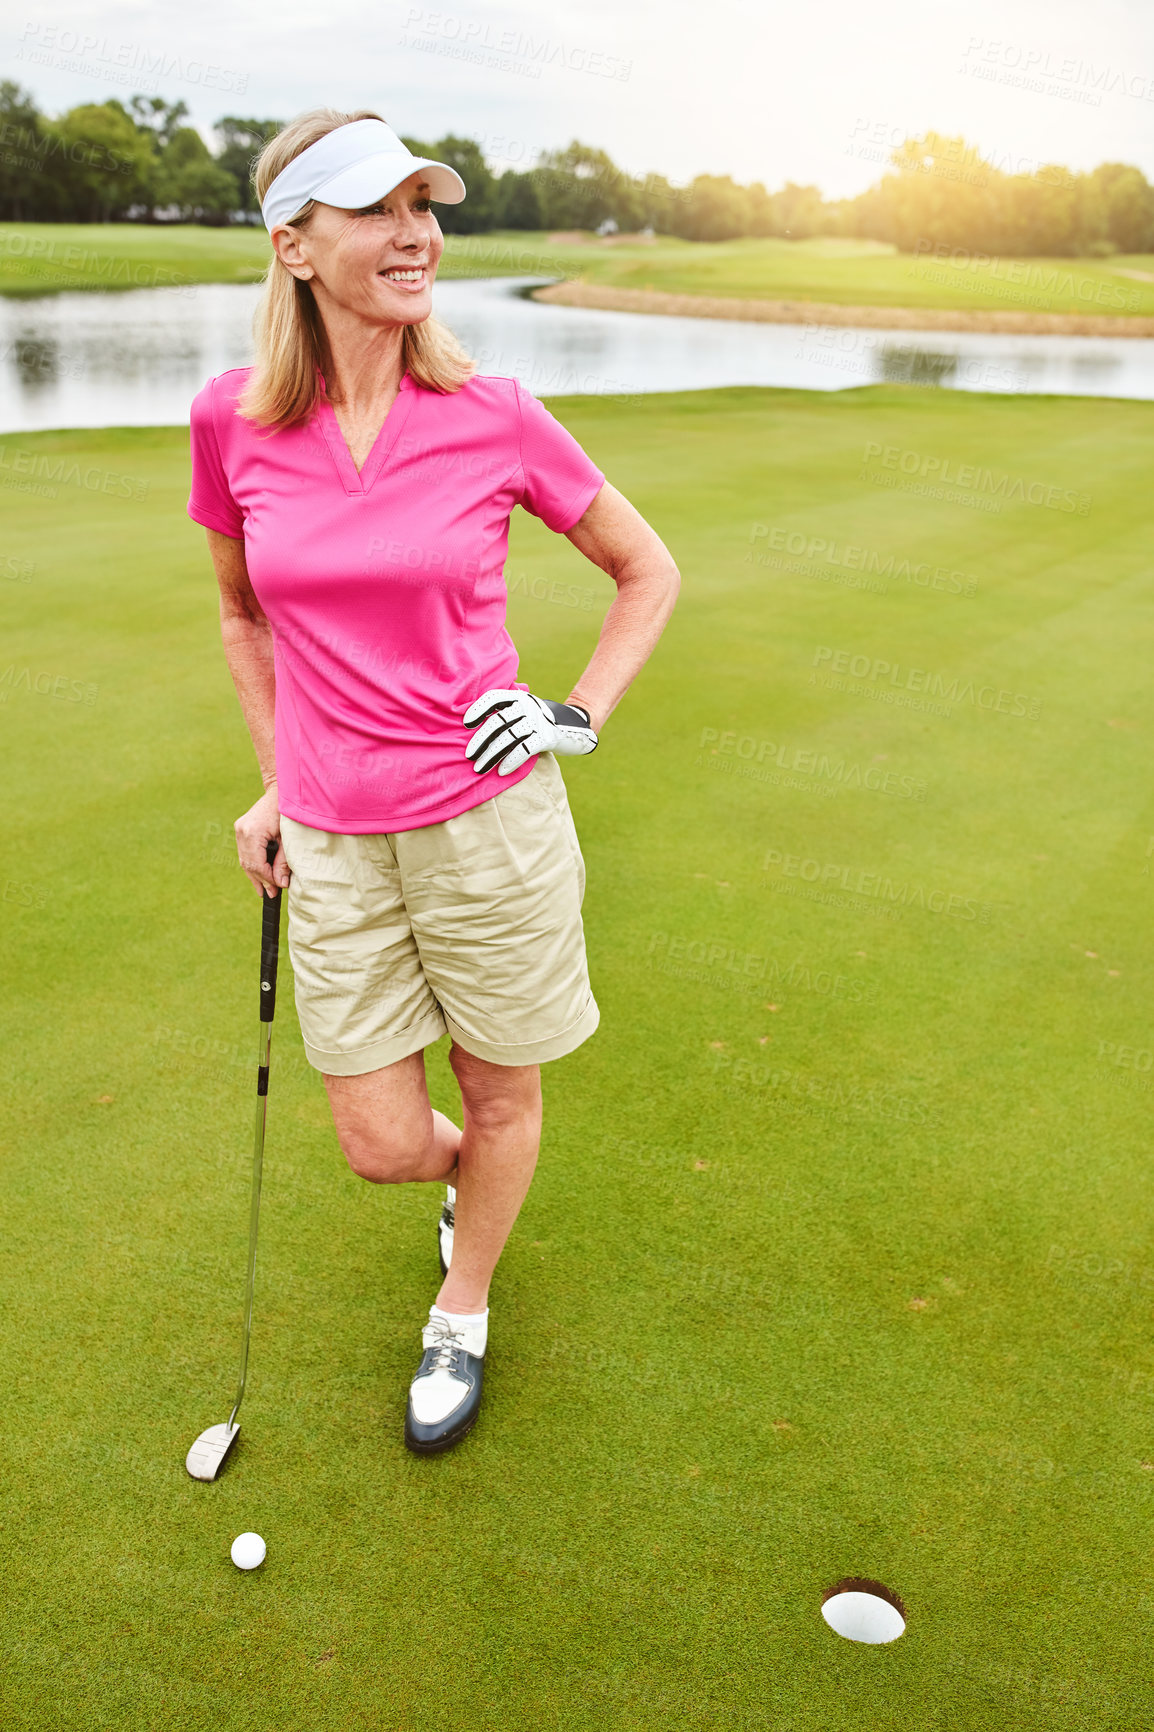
558, 479
210, 501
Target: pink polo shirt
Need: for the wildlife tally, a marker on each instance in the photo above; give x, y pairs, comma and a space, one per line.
385, 590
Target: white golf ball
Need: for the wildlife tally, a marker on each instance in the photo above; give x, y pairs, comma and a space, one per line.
247, 1551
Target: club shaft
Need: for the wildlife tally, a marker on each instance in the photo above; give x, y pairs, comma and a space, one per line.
269, 953
254, 1206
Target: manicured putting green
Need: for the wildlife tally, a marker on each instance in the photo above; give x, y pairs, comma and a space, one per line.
838, 1261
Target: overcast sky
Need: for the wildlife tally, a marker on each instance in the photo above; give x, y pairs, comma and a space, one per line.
811, 93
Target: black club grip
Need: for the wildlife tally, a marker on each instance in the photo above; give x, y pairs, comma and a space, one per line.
269, 944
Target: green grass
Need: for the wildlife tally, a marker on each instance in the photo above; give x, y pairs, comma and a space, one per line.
40, 257
867, 274
710, 1392
37, 258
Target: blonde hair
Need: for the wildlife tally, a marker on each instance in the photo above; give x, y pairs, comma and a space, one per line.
291, 342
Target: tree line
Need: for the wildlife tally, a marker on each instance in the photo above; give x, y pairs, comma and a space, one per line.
141, 161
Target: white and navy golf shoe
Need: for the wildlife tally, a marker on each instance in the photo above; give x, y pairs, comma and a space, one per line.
445, 1230
445, 1395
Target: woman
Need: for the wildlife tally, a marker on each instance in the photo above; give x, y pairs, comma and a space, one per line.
356, 487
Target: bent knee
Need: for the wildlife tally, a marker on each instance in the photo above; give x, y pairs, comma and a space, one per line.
506, 1111
504, 1119
385, 1159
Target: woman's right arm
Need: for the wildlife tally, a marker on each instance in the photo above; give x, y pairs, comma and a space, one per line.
248, 649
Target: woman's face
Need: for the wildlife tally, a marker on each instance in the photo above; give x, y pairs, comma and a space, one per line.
351, 256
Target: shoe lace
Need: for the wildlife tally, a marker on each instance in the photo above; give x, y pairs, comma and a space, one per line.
446, 1343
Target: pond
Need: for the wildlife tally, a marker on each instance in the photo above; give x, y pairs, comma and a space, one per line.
138, 358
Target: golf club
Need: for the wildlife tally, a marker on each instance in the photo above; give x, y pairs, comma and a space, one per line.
207, 1454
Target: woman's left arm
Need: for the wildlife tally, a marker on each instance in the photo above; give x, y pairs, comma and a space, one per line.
615, 536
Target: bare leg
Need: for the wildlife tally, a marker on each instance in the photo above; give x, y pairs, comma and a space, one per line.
391, 1135
448, 1136
387, 1128
496, 1160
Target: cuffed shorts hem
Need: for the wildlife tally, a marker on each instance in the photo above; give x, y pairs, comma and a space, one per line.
529, 1051
381, 1052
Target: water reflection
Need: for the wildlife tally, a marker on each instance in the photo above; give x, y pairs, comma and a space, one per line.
38, 361
137, 358
906, 366
1097, 372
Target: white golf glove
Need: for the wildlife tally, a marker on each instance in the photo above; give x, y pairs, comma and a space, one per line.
517, 725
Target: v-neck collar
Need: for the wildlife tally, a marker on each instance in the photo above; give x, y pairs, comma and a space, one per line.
354, 481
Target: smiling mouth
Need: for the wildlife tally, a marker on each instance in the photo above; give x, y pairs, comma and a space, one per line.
406, 277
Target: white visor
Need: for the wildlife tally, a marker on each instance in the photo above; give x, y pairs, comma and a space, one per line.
352, 167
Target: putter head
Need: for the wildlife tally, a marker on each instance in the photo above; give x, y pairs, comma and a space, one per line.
204, 1459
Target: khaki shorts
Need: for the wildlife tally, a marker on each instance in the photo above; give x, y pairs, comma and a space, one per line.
470, 927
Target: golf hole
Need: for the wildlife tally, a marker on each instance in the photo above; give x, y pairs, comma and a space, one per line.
863, 1610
